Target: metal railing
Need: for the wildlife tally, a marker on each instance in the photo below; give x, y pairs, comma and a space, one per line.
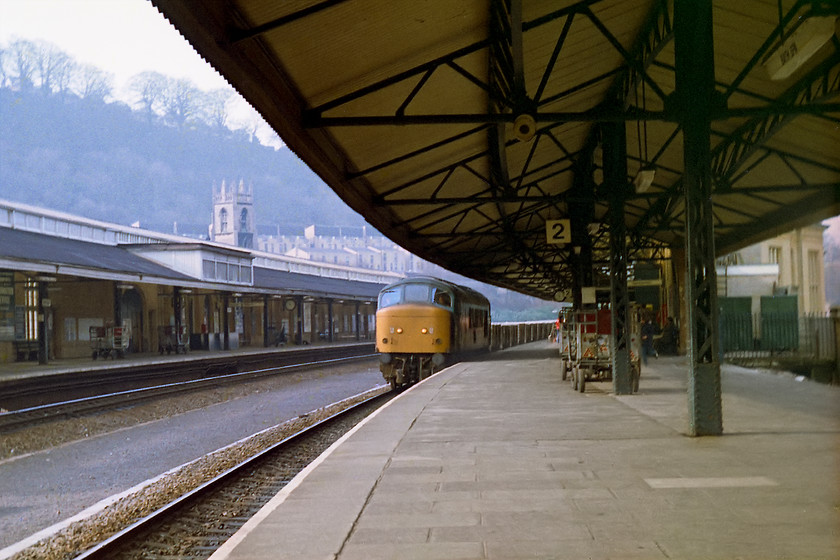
767, 335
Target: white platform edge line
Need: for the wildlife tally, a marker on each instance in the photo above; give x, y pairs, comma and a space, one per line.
711, 482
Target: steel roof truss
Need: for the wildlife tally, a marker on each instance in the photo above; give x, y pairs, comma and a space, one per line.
815, 7
421, 151
549, 67
633, 62
743, 235
314, 116
821, 83
239, 35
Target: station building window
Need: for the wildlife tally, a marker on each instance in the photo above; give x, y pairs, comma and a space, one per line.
226, 272
31, 310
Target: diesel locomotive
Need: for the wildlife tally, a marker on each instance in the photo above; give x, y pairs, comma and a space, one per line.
424, 323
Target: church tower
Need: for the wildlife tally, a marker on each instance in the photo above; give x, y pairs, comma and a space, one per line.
233, 215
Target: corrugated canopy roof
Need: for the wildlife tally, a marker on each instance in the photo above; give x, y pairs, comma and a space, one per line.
406, 109
54, 252
305, 284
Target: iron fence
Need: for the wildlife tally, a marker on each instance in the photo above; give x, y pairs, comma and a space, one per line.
767, 335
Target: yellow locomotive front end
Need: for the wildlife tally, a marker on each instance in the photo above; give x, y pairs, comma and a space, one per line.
413, 329
413, 332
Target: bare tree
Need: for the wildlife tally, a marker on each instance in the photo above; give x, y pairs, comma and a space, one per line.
251, 128
53, 67
180, 101
63, 76
273, 139
93, 83
20, 58
214, 107
149, 89
5, 79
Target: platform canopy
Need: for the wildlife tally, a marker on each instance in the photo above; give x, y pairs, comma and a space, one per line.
467, 130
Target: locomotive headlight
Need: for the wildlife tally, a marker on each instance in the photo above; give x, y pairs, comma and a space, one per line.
424, 330
399, 330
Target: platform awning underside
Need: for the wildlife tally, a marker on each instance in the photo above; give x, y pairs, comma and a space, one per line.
406, 109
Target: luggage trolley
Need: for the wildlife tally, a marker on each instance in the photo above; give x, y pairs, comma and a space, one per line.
170, 340
109, 341
565, 338
586, 349
591, 332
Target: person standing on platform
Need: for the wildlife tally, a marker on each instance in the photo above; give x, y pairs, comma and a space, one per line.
648, 332
667, 344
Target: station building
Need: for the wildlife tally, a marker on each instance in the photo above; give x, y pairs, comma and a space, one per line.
64, 278
789, 266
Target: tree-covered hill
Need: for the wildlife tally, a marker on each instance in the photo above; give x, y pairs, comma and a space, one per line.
110, 162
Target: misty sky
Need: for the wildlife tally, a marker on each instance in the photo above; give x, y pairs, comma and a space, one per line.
124, 37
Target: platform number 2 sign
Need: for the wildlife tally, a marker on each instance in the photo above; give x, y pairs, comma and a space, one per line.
558, 231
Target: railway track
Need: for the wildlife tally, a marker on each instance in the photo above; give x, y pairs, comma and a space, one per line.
117, 376
14, 419
196, 524
212, 497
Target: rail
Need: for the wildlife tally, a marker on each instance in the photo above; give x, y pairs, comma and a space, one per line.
175, 512
87, 381
28, 416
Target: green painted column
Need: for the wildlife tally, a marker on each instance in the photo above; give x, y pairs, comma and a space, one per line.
695, 99
616, 188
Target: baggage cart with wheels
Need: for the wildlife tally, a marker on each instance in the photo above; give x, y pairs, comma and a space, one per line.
588, 356
109, 341
171, 340
592, 332
565, 338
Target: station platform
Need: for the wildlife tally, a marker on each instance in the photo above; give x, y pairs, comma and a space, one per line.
499, 458
11, 371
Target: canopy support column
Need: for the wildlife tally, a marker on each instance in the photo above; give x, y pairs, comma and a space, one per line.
266, 320
43, 331
358, 320
616, 185
695, 96
225, 322
330, 321
581, 214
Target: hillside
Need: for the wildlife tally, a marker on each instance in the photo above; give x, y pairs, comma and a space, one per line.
105, 161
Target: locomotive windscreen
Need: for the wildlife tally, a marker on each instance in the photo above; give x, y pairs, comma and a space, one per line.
390, 297
415, 293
